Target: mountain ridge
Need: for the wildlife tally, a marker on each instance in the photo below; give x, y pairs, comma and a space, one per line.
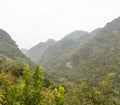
57, 48
10, 53
83, 57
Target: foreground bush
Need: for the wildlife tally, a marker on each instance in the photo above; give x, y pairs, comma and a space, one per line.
29, 90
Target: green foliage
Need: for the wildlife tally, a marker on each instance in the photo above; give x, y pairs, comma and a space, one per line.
46, 53
59, 97
10, 53
36, 52
8, 46
29, 90
103, 94
91, 61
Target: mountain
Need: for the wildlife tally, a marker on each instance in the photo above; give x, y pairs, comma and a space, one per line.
24, 51
106, 41
48, 52
82, 55
95, 59
101, 55
10, 53
8, 46
75, 35
37, 51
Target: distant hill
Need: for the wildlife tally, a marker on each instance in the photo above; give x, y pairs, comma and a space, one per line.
98, 57
83, 55
8, 46
106, 41
37, 51
75, 35
95, 59
48, 52
24, 51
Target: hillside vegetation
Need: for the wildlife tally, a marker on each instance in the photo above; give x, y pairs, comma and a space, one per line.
43, 53
84, 55
10, 54
29, 90
80, 69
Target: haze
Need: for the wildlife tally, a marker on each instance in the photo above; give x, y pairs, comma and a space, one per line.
32, 21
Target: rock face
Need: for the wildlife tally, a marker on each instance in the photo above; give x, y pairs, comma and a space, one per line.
69, 65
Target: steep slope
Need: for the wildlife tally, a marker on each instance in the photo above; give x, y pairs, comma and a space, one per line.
106, 41
37, 51
62, 61
87, 56
45, 54
101, 55
24, 51
8, 46
10, 53
75, 35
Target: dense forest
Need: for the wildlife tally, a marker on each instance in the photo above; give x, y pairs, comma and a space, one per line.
81, 55
80, 69
31, 89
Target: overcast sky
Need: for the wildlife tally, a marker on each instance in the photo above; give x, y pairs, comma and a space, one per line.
32, 21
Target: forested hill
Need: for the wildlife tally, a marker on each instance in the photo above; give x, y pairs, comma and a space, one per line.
99, 56
90, 56
89, 59
37, 51
8, 46
10, 53
106, 41
24, 51
45, 53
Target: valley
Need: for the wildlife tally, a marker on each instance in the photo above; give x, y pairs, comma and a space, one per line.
85, 65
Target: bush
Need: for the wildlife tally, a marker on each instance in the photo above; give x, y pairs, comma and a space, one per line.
30, 91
